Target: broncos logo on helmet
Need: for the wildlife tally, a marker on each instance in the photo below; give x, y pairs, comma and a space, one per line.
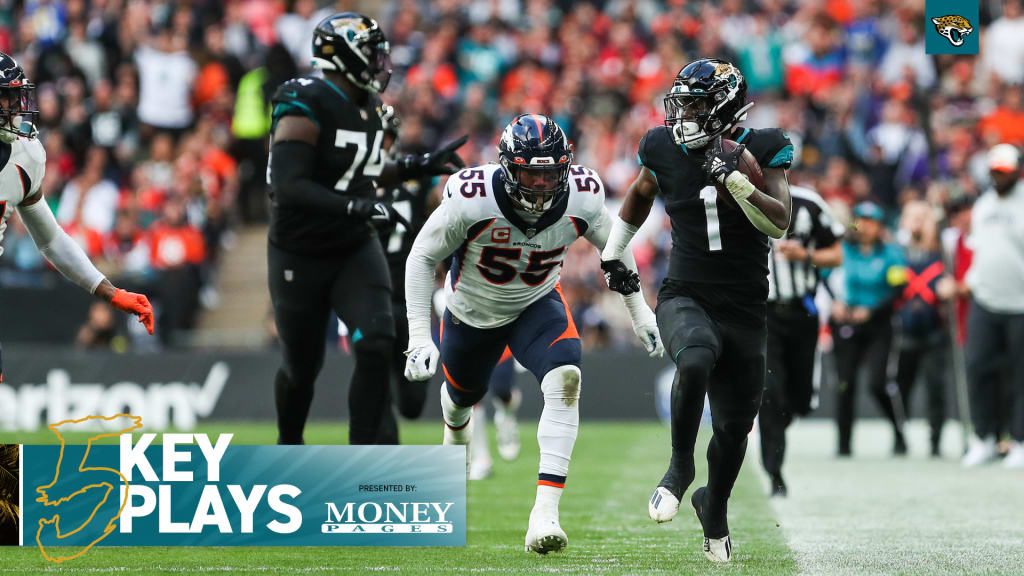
535, 157
953, 27
18, 112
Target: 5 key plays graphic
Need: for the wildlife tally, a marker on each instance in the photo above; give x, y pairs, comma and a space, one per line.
199, 490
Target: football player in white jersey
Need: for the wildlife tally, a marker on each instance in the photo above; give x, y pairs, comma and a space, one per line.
509, 225
22, 165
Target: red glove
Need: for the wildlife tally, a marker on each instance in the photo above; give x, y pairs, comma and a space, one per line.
133, 303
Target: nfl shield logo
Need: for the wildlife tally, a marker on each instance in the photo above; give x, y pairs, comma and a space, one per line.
289, 275
531, 232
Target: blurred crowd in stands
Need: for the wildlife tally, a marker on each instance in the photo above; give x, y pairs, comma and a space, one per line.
154, 113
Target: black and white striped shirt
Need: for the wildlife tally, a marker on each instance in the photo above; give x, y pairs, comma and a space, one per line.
813, 226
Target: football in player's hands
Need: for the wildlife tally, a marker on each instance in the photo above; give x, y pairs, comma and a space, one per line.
745, 163
620, 278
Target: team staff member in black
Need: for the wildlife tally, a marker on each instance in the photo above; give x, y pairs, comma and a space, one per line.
812, 242
711, 307
413, 200
323, 252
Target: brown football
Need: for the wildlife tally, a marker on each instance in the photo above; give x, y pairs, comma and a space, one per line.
748, 166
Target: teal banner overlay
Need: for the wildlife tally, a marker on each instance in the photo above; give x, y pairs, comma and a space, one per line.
951, 27
199, 491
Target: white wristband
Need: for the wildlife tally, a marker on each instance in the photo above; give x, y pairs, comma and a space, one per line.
739, 185
618, 239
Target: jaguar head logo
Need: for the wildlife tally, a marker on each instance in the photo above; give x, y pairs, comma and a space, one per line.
954, 28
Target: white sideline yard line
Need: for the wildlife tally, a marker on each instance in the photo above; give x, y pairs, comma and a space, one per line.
873, 514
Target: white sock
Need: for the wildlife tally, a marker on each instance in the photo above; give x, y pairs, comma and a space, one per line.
559, 422
455, 416
480, 446
548, 496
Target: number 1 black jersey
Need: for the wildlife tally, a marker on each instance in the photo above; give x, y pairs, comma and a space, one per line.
712, 241
348, 161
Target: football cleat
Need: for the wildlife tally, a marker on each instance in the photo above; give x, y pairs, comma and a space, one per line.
778, 486
979, 452
663, 505
508, 427
715, 549
718, 549
1015, 458
545, 534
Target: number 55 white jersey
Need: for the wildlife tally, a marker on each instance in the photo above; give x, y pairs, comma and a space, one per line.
503, 259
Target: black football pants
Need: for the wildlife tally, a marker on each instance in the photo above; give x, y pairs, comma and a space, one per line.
409, 397
726, 362
305, 291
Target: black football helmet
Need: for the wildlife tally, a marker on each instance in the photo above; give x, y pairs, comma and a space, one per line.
708, 98
535, 157
355, 46
18, 112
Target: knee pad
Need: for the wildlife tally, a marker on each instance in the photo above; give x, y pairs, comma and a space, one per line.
376, 348
694, 363
563, 384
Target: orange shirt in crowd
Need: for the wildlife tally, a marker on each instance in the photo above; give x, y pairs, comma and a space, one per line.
1008, 125
173, 246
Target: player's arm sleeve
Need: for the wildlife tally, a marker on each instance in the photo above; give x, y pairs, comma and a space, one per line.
291, 167
442, 233
597, 234
57, 247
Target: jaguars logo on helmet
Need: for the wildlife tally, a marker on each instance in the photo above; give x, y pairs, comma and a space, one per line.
354, 45
18, 112
953, 28
708, 98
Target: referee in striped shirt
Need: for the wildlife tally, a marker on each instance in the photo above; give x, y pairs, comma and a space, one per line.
811, 243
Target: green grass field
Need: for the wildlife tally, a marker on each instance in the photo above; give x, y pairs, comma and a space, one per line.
869, 515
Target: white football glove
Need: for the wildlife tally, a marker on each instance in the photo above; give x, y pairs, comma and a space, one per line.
645, 325
421, 360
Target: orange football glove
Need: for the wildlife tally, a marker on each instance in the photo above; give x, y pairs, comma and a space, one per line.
133, 303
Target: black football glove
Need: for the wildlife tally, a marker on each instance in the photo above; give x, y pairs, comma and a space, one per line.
442, 161
620, 278
378, 213
718, 164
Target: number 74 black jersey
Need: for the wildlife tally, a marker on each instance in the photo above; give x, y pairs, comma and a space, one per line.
348, 161
712, 241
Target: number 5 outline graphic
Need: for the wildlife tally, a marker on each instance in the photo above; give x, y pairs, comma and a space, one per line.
55, 519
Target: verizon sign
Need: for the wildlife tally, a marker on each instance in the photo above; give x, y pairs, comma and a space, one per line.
162, 405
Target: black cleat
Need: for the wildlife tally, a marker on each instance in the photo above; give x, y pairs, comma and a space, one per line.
778, 486
715, 549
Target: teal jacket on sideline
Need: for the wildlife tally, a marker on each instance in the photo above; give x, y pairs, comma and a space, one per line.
867, 275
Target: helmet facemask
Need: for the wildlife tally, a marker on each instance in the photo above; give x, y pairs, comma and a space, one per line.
18, 112
535, 187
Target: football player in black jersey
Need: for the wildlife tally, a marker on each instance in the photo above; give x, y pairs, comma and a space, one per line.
323, 252
711, 307
413, 200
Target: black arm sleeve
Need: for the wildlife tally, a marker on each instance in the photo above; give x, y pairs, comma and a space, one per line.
291, 167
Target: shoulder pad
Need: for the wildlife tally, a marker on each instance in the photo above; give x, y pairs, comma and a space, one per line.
298, 96
770, 146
